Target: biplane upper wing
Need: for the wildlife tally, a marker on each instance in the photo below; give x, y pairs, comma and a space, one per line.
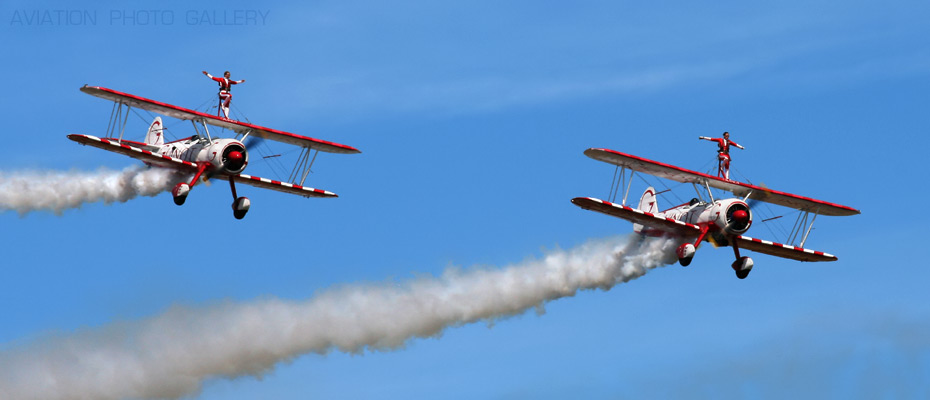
669, 225
285, 187
182, 113
782, 250
128, 149
679, 174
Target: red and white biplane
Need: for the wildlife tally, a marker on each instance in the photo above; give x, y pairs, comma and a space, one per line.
721, 222
203, 155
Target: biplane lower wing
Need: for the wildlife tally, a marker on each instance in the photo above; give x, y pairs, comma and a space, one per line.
679, 174
150, 158
124, 148
669, 225
285, 187
182, 113
683, 229
782, 250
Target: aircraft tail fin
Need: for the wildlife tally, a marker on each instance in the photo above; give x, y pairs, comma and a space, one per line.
155, 134
647, 203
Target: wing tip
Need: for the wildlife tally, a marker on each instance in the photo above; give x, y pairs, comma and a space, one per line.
582, 202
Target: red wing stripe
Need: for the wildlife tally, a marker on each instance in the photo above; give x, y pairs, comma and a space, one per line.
679, 174
638, 211
789, 247
136, 149
287, 185
288, 137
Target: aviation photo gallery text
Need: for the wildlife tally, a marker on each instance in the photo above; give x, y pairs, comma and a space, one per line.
155, 17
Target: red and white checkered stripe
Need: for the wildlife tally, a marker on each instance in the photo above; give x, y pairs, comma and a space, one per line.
116, 144
787, 246
319, 192
648, 214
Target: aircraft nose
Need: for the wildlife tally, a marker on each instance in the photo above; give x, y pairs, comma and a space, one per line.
741, 217
234, 160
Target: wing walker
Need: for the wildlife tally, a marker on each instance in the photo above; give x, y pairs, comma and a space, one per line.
720, 221
203, 155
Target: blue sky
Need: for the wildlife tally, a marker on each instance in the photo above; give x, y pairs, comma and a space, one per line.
472, 119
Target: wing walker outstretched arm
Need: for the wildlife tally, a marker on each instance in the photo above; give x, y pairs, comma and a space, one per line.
723, 153
225, 95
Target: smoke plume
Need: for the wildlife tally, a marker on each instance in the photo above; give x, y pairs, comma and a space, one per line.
170, 355
59, 191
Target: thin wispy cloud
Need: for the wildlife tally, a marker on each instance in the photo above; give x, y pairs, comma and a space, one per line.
873, 354
488, 63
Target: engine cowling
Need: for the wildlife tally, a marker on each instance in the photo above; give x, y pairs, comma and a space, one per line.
734, 216
231, 156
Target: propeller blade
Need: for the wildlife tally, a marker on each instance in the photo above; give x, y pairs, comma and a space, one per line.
252, 141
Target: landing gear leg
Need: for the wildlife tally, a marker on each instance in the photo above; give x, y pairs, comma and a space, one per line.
240, 205
742, 265
686, 251
181, 190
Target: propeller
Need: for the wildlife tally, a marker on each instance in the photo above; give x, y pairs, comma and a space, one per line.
753, 201
234, 158
252, 141
737, 217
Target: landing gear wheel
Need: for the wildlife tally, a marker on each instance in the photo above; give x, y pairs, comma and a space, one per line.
180, 193
742, 266
685, 254
240, 207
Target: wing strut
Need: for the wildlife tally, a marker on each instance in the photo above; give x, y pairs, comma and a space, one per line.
696, 190
629, 182
616, 182
709, 193
115, 115
811, 226
799, 224
302, 168
610, 193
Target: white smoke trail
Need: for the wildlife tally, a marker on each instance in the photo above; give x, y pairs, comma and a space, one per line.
170, 355
57, 191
